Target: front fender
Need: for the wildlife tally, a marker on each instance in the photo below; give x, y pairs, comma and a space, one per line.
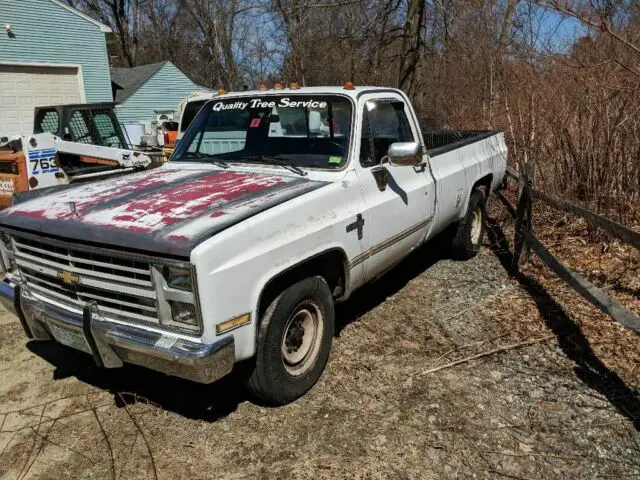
235, 266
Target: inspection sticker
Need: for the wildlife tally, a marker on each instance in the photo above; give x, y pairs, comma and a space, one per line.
335, 159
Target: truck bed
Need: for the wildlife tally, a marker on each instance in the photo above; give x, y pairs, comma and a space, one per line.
458, 159
443, 141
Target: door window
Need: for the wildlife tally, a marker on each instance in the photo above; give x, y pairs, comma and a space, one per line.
107, 130
383, 123
79, 128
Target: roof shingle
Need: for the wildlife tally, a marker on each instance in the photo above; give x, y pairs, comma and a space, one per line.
128, 80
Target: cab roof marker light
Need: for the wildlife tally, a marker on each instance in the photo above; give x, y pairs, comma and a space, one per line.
278, 86
263, 87
349, 86
221, 91
294, 85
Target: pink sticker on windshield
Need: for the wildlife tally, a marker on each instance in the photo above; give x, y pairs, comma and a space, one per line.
255, 123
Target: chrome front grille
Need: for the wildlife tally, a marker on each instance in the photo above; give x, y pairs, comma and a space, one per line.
121, 287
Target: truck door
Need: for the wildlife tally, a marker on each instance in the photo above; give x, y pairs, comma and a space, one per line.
399, 199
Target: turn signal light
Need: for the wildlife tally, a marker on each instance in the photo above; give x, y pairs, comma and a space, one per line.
233, 323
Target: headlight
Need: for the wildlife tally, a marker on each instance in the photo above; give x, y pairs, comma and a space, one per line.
179, 278
6, 241
6, 253
177, 298
184, 313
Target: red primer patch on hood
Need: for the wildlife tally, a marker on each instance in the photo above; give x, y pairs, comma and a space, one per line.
186, 200
176, 237
94, 195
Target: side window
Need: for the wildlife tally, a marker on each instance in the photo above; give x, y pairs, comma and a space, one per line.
387, 123
48, 121
106, 127
79, 128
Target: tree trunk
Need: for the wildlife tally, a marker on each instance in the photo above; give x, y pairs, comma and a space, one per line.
411, 41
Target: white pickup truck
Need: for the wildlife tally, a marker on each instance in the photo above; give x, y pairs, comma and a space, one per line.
275, 205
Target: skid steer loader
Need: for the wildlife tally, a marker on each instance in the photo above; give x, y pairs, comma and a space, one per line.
70, 144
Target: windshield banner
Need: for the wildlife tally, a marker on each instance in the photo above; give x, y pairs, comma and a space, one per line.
285, 102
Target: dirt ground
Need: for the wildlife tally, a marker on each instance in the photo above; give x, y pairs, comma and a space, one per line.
565, 405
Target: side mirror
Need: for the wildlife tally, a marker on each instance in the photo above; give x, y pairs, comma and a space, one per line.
405, 154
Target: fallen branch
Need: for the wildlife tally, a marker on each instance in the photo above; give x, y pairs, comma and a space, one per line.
487, 354
27, 465
106, 439
144, 438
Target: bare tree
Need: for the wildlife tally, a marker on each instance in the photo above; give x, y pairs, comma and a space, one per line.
123, 17
411, 45
217, 22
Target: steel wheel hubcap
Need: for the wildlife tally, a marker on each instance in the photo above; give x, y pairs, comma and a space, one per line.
302, 338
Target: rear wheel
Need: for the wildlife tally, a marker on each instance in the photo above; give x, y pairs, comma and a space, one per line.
294, 340
470, 232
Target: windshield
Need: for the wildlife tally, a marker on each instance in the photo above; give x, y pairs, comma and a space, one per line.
190, 110
297, 130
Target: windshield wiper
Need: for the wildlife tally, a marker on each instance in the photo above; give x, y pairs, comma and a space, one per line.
268, 159
216, 161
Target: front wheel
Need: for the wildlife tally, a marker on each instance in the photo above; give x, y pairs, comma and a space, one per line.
294, 340
470, 232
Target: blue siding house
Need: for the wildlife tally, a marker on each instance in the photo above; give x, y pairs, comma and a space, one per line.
50, 54
139, 91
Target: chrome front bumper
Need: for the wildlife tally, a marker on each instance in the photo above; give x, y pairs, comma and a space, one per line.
111, 344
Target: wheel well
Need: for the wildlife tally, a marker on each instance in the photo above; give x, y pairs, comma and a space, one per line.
330, 265
485, 184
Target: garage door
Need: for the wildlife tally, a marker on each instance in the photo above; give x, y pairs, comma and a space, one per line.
24, 88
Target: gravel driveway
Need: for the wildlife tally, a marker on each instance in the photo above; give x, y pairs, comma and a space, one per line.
551, 409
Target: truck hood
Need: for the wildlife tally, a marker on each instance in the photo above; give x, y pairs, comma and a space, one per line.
168, 210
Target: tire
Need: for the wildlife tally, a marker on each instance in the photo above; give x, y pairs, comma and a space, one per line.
470, 232
294, 339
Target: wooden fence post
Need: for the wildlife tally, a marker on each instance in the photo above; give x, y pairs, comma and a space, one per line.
524, 213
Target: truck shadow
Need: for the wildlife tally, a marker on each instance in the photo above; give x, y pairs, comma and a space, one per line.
576, 347
131, 384
376, 292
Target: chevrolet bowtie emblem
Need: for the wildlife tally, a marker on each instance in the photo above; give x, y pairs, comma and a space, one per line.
69, 278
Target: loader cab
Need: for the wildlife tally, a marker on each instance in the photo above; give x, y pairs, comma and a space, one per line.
90, 123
